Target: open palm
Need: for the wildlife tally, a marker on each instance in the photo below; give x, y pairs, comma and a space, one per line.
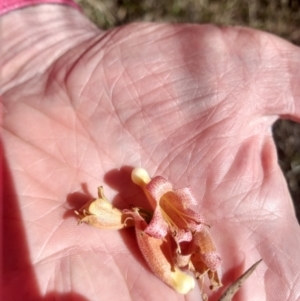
192, 103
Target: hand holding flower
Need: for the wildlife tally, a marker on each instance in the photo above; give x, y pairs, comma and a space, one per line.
172, 225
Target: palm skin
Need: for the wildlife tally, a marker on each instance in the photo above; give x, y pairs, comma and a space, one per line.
192, 103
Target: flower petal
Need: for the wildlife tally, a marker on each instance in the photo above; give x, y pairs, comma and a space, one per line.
157, 187
205, 247
203, 242
157, 228
196, 221
186, 196
180, 219
182, 235
200, 268
181, 260
212, 260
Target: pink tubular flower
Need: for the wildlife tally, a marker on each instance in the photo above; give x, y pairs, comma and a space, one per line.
173, 217
171, 208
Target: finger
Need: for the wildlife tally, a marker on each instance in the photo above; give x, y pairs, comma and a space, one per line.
270, 69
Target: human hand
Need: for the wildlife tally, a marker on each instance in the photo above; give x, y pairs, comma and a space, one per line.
192, 103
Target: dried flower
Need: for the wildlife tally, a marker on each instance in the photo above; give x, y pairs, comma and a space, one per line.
101, 214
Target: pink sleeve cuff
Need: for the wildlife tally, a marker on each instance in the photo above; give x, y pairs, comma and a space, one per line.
10, 5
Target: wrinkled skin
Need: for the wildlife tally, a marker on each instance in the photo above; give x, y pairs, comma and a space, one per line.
192, 103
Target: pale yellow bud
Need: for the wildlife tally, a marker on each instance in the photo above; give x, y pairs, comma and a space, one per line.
140, 176
182, 282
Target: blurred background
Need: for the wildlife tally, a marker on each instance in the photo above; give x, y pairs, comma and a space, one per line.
280, 17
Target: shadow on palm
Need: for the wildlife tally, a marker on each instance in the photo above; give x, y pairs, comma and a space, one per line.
19, 279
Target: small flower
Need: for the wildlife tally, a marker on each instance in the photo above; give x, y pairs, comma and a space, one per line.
158, 254
171, 208
101, 214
